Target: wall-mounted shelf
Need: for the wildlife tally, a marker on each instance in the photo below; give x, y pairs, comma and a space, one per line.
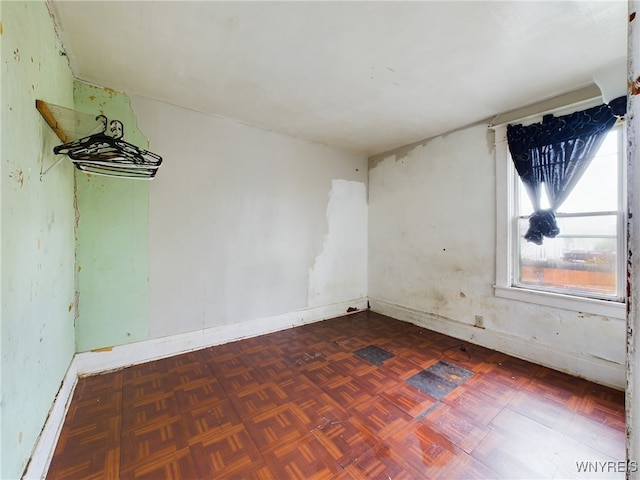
96, 146
68, 124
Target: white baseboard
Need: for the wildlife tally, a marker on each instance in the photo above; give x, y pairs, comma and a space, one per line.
46, 443
599, 371
89, 363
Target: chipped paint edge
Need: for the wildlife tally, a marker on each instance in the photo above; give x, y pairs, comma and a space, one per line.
581, 95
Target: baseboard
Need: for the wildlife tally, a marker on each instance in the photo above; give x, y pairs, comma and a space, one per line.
46, 443
90, 363
590, 368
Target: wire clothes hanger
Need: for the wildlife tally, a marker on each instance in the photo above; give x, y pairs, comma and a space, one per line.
106, 153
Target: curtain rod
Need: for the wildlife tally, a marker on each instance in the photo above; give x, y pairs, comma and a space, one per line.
576, 98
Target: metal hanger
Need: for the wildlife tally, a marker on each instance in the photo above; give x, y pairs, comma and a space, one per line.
106, 153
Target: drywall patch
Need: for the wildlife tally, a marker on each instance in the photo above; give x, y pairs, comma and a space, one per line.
340, 271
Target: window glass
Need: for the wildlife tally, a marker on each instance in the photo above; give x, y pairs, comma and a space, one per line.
584, 258
597, 190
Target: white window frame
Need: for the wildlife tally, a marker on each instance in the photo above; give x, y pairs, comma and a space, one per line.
506, 179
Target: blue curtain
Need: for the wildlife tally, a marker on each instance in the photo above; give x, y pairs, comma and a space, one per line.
555, 152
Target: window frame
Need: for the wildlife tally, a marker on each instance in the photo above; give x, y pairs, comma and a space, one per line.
506, 243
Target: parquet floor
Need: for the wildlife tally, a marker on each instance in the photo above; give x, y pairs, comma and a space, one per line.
300, 404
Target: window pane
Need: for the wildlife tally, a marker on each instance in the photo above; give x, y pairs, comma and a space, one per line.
597, 189
583, 258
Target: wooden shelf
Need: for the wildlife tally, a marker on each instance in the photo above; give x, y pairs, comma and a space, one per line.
68, 124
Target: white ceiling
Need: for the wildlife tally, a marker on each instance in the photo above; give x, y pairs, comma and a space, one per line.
361, 76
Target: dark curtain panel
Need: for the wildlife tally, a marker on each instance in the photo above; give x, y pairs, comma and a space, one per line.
555, 152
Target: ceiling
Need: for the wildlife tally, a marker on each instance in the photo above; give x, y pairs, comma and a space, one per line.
360, 76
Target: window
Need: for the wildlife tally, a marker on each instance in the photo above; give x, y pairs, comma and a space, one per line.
583, 268
584, 258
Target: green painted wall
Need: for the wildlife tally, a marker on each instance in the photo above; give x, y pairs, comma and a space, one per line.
37, 224
112, 239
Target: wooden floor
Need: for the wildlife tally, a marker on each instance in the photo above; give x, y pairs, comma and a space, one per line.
300, 404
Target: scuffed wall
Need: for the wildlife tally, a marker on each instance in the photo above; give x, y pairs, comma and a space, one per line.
37, 215
432, 257
112, 239
238, 216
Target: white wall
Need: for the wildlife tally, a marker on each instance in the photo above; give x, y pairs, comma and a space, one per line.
246, 223
432, 257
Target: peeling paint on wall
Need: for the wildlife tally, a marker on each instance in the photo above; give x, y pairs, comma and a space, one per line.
634, 86
258, 204
340, 270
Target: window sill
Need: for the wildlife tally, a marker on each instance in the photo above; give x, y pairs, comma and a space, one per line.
605, 308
